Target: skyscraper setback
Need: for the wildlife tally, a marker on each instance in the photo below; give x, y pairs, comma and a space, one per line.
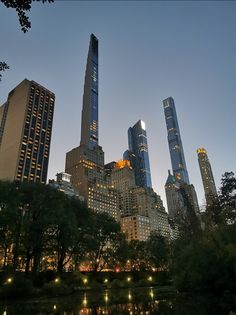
138, 154
25, 132
86, 162
207, 175
174, 140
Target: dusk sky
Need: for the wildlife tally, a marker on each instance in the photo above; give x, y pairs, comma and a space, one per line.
148, 51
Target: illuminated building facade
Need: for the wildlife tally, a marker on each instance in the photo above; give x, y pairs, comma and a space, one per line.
207, 175
136, 227
138, 154
174, 140
86, 162
137, 203
123, 180
25, 133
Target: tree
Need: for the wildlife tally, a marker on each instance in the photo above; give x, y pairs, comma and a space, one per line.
103, 240
22, 7
138, 255
158, 250
222, 209
70, 227
3, 66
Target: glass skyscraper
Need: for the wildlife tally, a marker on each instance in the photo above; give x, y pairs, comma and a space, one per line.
138, 154
89, 126
174, 140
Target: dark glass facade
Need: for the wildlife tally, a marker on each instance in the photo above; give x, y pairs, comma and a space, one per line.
89, 126
138, 154
174, 141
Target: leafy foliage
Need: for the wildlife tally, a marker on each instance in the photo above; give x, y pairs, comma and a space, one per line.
22, 7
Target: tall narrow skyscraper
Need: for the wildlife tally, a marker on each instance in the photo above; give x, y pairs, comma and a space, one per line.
138, 154
25, 133
89, 125
86, 162
207, 175
174, 140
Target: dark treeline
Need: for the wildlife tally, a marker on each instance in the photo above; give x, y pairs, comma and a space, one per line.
41, 228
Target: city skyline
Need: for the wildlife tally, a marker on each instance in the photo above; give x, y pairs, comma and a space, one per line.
197, 126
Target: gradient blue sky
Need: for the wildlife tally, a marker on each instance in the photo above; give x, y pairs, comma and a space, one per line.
148, 50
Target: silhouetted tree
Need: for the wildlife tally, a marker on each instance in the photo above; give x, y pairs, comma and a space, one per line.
22, 7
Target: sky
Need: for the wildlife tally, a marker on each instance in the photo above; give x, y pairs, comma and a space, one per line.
148, 51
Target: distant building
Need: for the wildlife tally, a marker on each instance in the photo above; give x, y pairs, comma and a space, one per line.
137, 202
207, 175
174, 198
136, 227
138, 154
86, 162
25, 133
174, 140
62, 183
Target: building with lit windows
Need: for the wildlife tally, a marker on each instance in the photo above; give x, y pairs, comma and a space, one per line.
174, 140
207, 175
85, 163
136, 227
25, 133
138, 154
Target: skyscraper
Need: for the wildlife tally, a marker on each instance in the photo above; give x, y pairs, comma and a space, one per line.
86, 162
174, 140
207, 175
138, 154
89, 125
173, 196
25, 133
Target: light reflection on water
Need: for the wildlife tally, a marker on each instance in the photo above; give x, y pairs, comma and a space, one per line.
129, 301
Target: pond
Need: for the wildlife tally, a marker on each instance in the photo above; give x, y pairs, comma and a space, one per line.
133, 301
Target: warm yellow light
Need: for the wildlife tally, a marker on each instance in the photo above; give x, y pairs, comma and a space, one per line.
9, 280
123, 163
151, 294
201, 150
106, 280
106, 298
129, 296
56, 280
150, 278
128, 279
85, 281
54, 307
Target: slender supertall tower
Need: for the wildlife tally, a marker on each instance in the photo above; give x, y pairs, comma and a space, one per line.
207, 175
89, 126
174, 140
138, 154
85, 163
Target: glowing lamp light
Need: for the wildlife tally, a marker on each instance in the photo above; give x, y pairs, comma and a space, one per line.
9, 280
106, 280
85, 281
56, 280
129, 296
128, 279
150, 278
54, 307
